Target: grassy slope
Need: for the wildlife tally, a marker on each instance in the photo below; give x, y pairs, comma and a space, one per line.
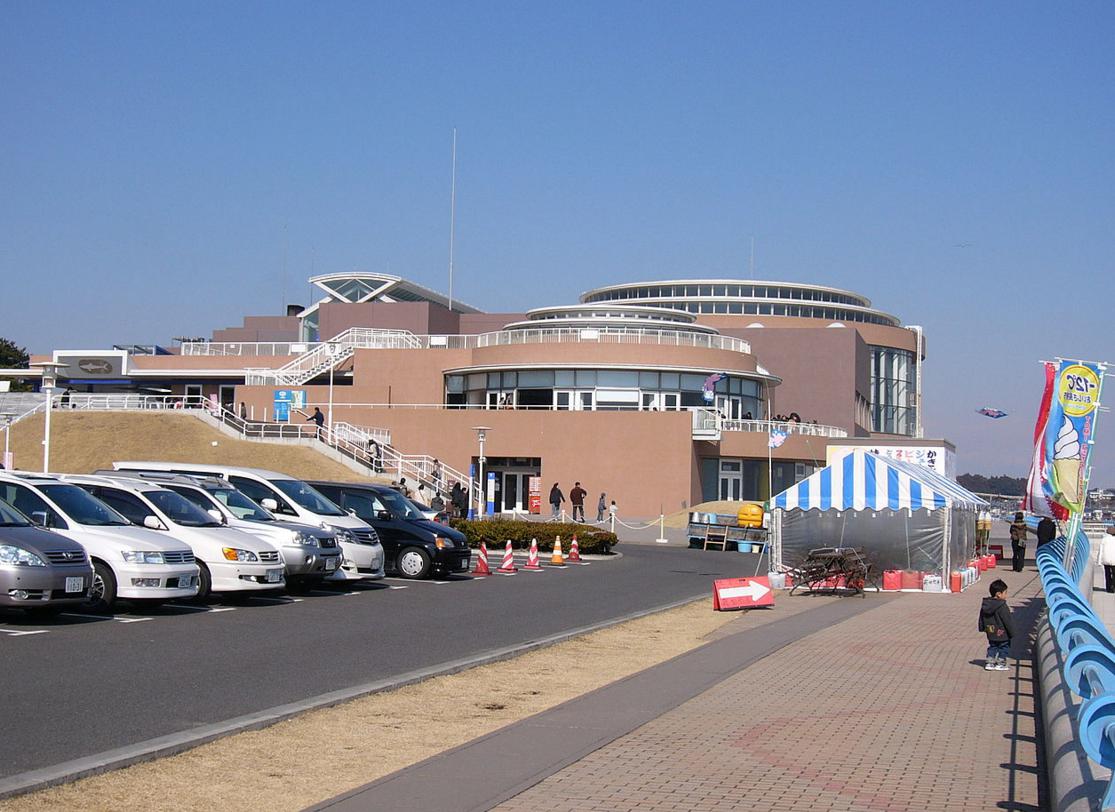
82, 442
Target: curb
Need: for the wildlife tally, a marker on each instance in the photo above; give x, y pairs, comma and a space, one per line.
171, 744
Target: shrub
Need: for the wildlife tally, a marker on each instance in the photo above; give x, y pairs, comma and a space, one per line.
497, 532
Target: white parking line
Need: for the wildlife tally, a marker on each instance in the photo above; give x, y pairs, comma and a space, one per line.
106, 617
223, 609
16, 633
393, 586
131, 619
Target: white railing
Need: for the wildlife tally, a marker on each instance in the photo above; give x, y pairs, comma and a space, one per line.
766, 426
361, 434
373, 338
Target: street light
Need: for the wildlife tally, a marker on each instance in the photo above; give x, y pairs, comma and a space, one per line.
7, 438
481, 435
332, 351
49, 371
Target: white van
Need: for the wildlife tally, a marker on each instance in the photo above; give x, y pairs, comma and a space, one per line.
128, 562
228, 559
295, 500
310, 554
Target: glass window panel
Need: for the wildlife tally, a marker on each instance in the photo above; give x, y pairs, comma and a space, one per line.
648, 380
764, 310
454, 383
749, 387
751, 309
692, 383
761, 292
563, 377
706, 290
510, 380
536, 378
721, 307
586, 377
615, 378
734, 385
493, 380
735, 307
670, 380
477, 381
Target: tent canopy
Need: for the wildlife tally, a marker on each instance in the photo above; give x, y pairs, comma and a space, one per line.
860, 480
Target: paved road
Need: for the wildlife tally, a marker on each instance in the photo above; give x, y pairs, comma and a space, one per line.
83, 685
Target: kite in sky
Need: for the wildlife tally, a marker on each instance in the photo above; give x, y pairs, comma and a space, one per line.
995, 414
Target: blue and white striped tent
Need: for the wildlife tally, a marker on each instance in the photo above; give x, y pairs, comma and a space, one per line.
861, 480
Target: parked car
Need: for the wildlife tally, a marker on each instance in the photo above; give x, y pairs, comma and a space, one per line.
414, 546
40, 572
296, 501
128, 562
310, 554
228, 560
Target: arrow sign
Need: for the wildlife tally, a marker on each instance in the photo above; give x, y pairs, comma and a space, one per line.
741, 593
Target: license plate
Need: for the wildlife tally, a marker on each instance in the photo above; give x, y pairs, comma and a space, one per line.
330, 564
274, 576
463, 565
185, 582
75, 584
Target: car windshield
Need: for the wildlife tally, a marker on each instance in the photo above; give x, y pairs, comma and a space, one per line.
240, 506
82, 507
180, 511
398, 504
307, 497
10, 517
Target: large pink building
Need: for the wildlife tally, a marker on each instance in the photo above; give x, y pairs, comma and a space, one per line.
658, 393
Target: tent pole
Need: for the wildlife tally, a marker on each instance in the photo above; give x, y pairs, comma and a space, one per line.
945, 557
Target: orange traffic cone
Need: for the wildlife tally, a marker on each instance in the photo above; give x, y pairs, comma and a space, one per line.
482, 561
532, 559
575, 552
508, 566
557, 559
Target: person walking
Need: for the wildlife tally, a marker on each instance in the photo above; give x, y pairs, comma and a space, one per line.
458, 500
995, 621
556, 498
1047, 530
601, 506
577, 500
1018, 542
1107, 559
439, 472
319, 420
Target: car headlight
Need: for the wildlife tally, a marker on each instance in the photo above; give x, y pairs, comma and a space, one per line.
18, 557
443, 543
345, 535
142, 557
234, 554
303, 539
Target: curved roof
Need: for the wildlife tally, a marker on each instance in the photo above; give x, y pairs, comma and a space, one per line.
607, 315
368, 286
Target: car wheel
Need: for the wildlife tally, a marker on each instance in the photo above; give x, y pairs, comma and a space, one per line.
204, 581
102, 593
413, 562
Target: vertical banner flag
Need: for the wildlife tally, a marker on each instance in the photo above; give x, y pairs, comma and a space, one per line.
1058, 481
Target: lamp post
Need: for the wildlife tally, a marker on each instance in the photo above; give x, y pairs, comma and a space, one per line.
332, 354
7, 440
50, 371
482, 435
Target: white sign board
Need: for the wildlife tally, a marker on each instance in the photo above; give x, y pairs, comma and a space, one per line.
940, 458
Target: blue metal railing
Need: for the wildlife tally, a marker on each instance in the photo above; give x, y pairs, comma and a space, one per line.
1087, 650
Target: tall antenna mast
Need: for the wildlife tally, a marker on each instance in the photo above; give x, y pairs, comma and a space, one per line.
752, 265
286, 246
452, 214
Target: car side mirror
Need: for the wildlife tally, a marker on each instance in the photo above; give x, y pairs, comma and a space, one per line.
269, 503
40, 518
153, 523
384, 515
216, 514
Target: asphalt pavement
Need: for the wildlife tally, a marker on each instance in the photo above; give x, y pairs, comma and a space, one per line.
84, 684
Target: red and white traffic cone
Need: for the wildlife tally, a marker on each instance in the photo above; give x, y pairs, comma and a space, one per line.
557, 559
574, 552
482, 561
508, 566
532, 559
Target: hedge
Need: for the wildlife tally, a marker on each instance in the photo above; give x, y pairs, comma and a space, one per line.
497, 532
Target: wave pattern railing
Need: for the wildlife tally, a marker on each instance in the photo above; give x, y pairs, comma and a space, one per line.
1087, 649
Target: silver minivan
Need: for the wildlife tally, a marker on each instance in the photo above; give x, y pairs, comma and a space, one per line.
40, 571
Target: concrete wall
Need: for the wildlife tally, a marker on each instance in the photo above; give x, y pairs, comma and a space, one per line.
261, 328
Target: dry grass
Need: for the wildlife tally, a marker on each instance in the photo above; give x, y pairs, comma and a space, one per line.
82, 442
323, 753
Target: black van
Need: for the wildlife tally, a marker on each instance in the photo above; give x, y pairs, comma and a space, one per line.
413, 546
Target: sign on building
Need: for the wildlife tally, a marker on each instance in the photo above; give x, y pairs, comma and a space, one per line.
940, 458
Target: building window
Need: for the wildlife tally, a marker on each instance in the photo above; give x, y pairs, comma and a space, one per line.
893, 391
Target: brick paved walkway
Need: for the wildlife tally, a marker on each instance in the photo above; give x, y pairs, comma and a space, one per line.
887, 710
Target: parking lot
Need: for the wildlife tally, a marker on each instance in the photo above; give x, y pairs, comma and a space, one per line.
85, 683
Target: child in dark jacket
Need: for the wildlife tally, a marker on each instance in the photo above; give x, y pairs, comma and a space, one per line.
995, 621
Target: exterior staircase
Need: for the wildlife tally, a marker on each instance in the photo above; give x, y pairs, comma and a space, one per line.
328, 354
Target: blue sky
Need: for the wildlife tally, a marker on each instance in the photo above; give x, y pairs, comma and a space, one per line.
954, 162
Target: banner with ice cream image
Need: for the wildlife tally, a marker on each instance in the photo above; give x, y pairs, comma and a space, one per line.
1058, 481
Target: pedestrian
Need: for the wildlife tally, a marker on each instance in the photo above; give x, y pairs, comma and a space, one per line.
437, 503
374, 457
556, 498
612, 512
437, 474
403, 487
458, 501
577, 500
601, 506
319, 420
1107, 559
995, 622
422, 497
243, 411
1018, 542
1047, 529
